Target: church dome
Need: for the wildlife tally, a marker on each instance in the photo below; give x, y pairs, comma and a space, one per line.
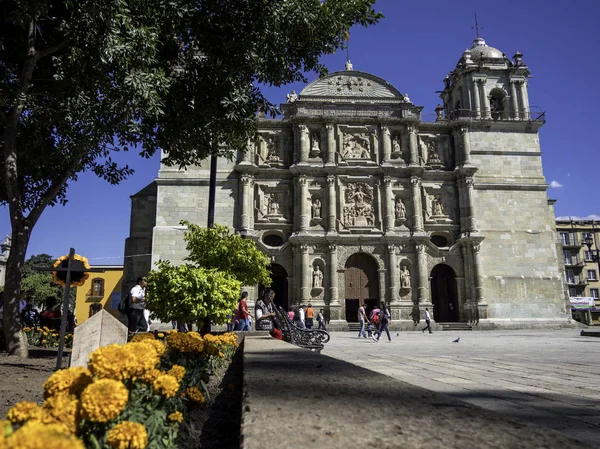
480, 50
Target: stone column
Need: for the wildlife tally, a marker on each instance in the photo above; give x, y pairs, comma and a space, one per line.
382, 283
394, 273
415, 193
247, 182
485, 101
412, 144
386, 144
388, 200
302, 181
477, 101
304, 143
330, 144
477, 274
524, 100
423, 278
247, 155
331, 203
469, 194
333, 276
514, 100
466, 142
305, 269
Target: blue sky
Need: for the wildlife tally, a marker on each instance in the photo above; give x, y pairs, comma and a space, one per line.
413, 48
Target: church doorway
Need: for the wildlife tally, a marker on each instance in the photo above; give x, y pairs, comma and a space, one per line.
361, 284
444, 294
279, 284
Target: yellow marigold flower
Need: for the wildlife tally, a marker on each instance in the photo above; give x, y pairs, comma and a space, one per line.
44, 341
45, 329
70, 381
24, 411
109, 362
160, 335
185, 342
158, 345
175, 417
167, 385
104, 400
141, 356
194, 334
195, 395
26, 329
35, 435
143, 336
150, 376
177, 372
128, 435
64, 410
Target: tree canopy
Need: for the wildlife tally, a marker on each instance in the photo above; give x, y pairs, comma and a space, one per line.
82, 80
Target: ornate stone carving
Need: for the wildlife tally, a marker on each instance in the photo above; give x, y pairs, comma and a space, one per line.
268, 150
356, 146
315, 146
291, 98
330, 180
405, 277
400, 210
332, 248
272, 204
415, 180
430, 151
411, 129
316, 208
396, 148
247, 180
358, 207
476, 248
350, 85
317, 277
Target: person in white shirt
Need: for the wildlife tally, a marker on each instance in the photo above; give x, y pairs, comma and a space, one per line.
427, 321
362, 318
135, 315
302, 317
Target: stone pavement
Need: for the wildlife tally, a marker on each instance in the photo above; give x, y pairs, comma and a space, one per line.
550, 378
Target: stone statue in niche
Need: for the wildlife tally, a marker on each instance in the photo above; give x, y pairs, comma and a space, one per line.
400, 209
316, 208
404, 277
358, 209
437, 207
356, 146
315, 148
317, 278
272, 204
396, 148
430, 151
272, 152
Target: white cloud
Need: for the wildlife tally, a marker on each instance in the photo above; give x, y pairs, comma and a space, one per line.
576, 218
555, 184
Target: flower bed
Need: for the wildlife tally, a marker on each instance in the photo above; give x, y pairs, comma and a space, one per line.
43, 337
130, 396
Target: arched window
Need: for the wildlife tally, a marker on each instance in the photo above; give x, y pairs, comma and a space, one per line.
98, 287
498, 104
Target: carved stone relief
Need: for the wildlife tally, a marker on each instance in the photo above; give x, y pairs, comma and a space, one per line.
400, 211
438, 205
434, 151
269, 149
356, 146
272, 204
315, 146
358, 206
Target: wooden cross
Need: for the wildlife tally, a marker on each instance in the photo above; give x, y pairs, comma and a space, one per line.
476, 27
65, 309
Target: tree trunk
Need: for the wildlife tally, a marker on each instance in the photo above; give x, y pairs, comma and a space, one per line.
16, 340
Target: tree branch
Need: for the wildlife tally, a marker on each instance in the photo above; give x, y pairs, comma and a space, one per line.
46, 199
50, 50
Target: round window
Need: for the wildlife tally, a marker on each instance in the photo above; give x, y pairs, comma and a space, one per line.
273, 240
439, 240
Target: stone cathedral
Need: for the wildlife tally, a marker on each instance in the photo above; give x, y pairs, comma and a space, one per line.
357, 199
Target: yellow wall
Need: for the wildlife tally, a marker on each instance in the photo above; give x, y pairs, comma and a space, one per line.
112, 276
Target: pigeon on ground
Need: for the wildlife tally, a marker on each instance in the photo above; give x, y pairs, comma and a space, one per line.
456, 341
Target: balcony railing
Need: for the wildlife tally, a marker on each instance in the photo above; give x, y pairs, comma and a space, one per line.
577, 262
570, 241
576, 280
532, 115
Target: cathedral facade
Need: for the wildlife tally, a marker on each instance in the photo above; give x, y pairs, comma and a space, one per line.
358, 200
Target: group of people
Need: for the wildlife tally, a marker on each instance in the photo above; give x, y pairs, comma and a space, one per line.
378, 322
304, 317
49, 317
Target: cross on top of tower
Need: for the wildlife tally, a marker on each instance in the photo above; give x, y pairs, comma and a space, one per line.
476, 27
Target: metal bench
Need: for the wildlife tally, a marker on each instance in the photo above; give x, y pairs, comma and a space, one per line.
312, 339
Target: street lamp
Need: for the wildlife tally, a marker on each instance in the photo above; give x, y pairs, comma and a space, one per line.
589, 241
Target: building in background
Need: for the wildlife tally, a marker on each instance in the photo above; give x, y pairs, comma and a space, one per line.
359, 198
100, 288
4, 252
582, 273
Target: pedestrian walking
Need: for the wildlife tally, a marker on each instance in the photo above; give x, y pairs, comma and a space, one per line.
362, 318
321, 320
243, 315
384, 319
310, 314
427, 322
135, 314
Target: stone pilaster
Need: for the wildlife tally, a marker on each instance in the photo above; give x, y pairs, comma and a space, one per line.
412, 144
246, 201
331, 203
415, 195
466, 144
304, 143
330, 144
524, 100
333, 276
514, 99
388, 201
303, 183
305, 274
472, 224
386, 144
479, 297
476, 98
394, 274
382, 272
486, 112
423, 278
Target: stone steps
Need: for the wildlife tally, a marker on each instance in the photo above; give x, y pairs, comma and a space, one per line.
455, 326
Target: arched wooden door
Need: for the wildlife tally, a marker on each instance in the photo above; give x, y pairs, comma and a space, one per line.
279, 284
361, 284
444, 293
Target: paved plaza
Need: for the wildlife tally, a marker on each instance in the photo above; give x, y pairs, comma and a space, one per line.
550, 378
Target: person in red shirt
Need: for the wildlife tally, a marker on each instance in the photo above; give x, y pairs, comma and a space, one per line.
243, 324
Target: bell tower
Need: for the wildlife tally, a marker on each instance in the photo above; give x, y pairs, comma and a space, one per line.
486, 85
